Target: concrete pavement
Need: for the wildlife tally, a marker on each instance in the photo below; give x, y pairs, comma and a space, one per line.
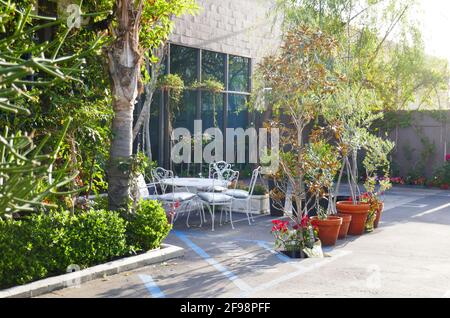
408, 256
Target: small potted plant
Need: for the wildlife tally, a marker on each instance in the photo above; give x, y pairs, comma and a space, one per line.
375, 161
321, 164
294, 239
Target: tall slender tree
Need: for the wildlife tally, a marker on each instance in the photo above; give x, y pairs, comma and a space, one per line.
140, 27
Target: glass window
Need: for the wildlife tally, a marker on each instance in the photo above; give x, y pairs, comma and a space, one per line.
212, 113
239, 73
155, 124
213, 66
237, 111
183, 61
184, 112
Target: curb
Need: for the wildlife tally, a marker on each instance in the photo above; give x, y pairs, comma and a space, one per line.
47, 285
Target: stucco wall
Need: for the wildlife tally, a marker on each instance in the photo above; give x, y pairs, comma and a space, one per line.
239, 27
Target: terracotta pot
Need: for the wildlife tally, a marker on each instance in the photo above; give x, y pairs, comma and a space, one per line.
328, 229
346, 220
379, 213
359, 213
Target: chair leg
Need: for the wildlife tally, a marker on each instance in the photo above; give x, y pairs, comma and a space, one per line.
212, 216
201, 217
248, 214
231, 218
189, 213
220, 219
202, 211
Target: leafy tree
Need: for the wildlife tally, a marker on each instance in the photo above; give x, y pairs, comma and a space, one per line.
139, 26
28, 176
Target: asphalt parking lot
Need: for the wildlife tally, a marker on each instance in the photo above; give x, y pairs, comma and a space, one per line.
408, 256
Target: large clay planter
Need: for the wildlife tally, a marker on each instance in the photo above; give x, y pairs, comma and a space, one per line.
379, 213
328, 229
346, 220
359, 213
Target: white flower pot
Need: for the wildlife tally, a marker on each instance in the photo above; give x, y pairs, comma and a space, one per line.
259, 205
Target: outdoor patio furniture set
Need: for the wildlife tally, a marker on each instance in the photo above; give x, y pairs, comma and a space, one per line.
186, 195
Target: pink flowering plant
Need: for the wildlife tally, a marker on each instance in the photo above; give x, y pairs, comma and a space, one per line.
294, 236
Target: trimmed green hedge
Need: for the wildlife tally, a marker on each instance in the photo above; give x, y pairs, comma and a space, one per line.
148, 226
45, 245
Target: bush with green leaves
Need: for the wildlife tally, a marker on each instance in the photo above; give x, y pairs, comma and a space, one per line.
148, 226
442, 176
46, 244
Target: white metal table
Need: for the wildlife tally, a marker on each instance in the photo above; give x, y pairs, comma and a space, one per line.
199, 184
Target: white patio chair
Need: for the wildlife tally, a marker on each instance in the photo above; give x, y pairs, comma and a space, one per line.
242, 195
213, 199
218, 167
185, 199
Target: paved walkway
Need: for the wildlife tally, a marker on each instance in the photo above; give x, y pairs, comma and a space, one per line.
408, 256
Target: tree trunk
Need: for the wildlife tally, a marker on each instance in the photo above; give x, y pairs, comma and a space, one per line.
150, 89
124, 63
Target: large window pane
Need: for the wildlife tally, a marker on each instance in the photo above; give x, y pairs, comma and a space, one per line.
237, 111
184, 111
213, 66
155, 130
183, 61
239, 73
212, 114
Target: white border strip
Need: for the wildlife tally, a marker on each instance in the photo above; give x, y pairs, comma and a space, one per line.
48, 285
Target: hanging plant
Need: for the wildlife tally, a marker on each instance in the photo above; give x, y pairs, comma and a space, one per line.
214, 87
172, 83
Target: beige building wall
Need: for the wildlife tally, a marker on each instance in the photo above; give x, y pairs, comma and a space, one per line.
238, 27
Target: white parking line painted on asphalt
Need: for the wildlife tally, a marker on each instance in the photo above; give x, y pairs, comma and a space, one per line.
302, 269
151, 286
243, 286
400, 203
439, 208
415, 206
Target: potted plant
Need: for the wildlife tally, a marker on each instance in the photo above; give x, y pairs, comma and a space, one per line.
349, 114
375, 161
301, 77
321, 164
296, 239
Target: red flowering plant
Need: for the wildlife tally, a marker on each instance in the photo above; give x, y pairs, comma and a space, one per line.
296, 236
442, 175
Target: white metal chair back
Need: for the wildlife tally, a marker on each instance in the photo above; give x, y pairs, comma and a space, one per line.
142, 187
219, 167
159, 174
228, 175
253, 180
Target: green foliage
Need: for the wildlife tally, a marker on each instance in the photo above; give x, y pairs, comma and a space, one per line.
398, 69
209, 85
148, 226
157, 20
27, 178
172, 83
213, 86
46, 244
442, 176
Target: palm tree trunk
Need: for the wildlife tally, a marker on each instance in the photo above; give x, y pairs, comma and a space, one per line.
124, 63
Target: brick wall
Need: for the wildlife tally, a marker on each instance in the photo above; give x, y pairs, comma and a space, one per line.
239, 27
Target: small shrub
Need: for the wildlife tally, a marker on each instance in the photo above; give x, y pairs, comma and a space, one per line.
19, 264
442, 176
148, 226
46, 244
